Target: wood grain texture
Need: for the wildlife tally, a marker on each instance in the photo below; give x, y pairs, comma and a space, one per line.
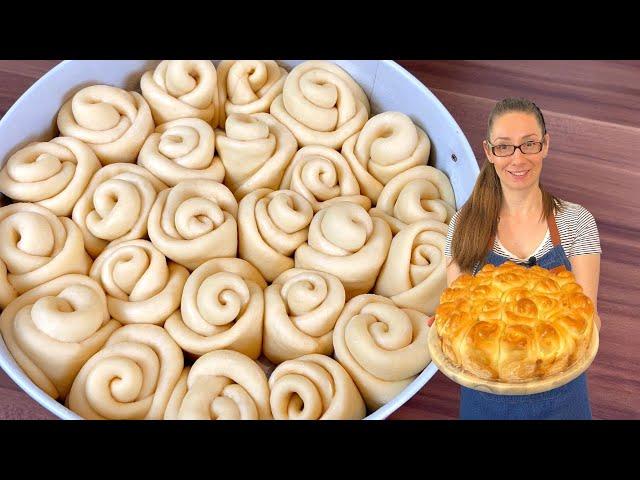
592, 110
607, 91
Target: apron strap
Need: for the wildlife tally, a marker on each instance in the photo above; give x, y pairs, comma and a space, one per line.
553, 229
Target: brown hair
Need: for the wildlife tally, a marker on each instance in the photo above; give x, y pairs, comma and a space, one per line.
476, 222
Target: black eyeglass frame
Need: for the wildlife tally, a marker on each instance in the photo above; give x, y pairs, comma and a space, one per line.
493, 151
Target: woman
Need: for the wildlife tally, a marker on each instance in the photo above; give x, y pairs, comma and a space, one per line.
510, 212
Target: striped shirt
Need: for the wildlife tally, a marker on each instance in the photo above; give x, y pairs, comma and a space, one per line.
578, 235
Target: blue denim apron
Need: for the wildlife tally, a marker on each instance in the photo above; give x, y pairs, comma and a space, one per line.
568, 402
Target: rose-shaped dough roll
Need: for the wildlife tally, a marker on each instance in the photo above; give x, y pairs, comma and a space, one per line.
116, 205
301, 309
54, 328
222, 308
271, 225
194, 222
221, 385
382, 346
314, 387
36, 246
414, 274
180, 150
321, 104
387, 145
346, 242
52, 174
323, 177
182, 89
131, 378
141, 287
255, 150
112, 121
420, 193
248, 86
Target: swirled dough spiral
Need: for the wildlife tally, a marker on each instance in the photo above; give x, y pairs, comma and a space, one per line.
113, 122
131, 378
255, 150
388, 144
323, 177
222, 308
346, 242
54, 328
314, 387
221, 385
321, 104
182, 89
248, 86
7, 292
52, 174
414, 273
271, 225
194, 222
301, 309
141, 286
382, 346
182, 149
36, 246
116, 205
420, 193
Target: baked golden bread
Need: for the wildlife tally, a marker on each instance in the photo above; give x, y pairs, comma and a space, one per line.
515, 324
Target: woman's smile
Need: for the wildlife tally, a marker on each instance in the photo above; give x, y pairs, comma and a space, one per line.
519, 175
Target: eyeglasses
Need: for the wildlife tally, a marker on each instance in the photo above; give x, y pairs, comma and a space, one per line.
508, 150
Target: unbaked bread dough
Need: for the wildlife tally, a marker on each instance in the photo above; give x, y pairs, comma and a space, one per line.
420, 193
248, 86
112, 121
388, 144
182, 149
515, 324
323, 177
115, 206
222, 308
255, 150
346, 242
414, 274
301, 309
7, 292
221, 385
52, 174
271, 225
321, 104
194, 222
312, 203
36, 246
182, 89
314, 387
54, 328
382, 346
131, 378
141, 286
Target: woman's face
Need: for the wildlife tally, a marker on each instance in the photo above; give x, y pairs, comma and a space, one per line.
519, 170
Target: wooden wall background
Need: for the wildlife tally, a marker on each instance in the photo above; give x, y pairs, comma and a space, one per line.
592, 110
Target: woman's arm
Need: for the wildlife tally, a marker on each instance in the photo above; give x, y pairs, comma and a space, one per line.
586, 269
